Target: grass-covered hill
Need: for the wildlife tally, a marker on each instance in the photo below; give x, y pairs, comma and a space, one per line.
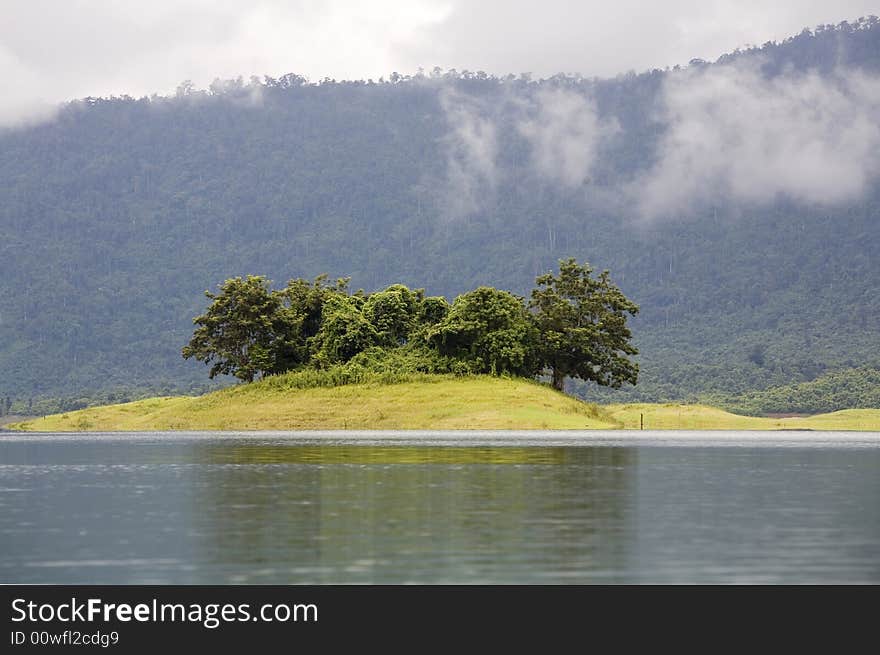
278, 403
435, 402
119, 213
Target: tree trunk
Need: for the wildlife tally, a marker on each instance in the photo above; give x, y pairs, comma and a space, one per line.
558, 380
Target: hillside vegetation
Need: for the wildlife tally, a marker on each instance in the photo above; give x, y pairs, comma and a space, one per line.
857, 388
119, 213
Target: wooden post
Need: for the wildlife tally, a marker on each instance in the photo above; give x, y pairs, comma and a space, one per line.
641, 421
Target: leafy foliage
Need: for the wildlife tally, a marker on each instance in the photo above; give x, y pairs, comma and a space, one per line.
345, 331
582, 323
249, 330
857, 388
490, 330
242, 330
394, 312
302, 313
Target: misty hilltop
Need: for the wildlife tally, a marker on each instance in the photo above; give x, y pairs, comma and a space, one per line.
735, 201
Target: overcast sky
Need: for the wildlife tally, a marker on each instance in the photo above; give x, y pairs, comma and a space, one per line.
52, 50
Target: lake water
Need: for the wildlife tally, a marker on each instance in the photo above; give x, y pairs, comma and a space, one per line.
430, 507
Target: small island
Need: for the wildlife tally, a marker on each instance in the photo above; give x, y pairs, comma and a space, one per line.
313, 356
419, 402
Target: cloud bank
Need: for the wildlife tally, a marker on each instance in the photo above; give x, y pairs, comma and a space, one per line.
729, 136
601, 38
732, 134
561, 129
53, 51
471, 150
565, 133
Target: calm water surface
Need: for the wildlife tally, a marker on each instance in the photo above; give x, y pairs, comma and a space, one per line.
430, 507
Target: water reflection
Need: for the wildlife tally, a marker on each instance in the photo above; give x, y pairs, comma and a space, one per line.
409, 514
274, 453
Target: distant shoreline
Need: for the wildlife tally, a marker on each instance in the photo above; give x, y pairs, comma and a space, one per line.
9, 419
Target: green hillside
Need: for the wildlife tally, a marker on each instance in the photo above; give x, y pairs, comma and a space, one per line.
857, 388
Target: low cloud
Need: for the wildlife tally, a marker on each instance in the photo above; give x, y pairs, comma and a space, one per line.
734, 135
23, 102
730, 136
471, 148
52, 52
600, 38
565, 132
561, 128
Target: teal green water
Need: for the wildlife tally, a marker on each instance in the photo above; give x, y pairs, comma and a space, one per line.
488, 507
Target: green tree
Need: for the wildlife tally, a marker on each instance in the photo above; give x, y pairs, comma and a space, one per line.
344, 332
489, 329
394, 313
433, 310
302, 309
581, 321
240, 332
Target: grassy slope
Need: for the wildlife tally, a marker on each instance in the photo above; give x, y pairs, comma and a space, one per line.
672, 416
439, 403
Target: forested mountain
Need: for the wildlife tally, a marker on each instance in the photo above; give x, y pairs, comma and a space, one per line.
116, 215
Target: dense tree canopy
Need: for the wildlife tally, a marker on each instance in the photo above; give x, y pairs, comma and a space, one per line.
490, 330
394, 313
576, 327
345, 331
302, 309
